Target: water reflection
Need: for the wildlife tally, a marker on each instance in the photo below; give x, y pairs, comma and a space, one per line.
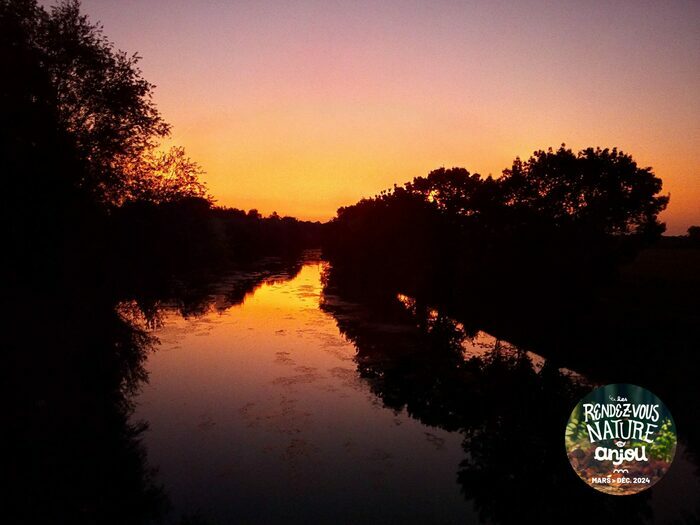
75, 360
300, 400
257, 415
278, 395
74, 456
510, 405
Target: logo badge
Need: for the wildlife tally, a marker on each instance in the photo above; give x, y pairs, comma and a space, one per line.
620, 439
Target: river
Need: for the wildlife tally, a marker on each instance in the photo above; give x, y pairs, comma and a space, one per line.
272, 408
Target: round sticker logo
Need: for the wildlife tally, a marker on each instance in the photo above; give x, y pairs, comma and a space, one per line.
620, 439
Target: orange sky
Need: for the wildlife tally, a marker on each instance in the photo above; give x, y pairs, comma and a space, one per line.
301, 107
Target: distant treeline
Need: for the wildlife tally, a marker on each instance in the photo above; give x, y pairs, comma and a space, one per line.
191, 233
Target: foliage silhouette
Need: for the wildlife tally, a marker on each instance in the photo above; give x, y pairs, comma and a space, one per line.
600, 190
101, 100
162, 177
694, 233
86, 187
558, 223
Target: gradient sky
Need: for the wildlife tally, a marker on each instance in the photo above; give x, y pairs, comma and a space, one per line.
304, 106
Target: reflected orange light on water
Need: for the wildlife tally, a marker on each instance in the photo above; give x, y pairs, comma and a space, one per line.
253, 341
263, 402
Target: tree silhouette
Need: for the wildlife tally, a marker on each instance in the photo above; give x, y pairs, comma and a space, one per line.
102, 104
694, 233
456, 192
102, 99
160, 177
562, 220
598, 189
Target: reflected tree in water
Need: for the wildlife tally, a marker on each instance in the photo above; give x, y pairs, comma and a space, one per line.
76, 451
75, 456
511, 412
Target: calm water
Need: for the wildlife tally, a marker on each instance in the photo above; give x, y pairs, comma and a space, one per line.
257, 413
266, 412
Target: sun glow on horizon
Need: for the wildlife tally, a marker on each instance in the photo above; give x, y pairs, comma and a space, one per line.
303, 107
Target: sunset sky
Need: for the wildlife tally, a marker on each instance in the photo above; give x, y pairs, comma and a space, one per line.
302, 107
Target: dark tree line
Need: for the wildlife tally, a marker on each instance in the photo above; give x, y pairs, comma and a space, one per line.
87, 185
555, 220
192, 240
